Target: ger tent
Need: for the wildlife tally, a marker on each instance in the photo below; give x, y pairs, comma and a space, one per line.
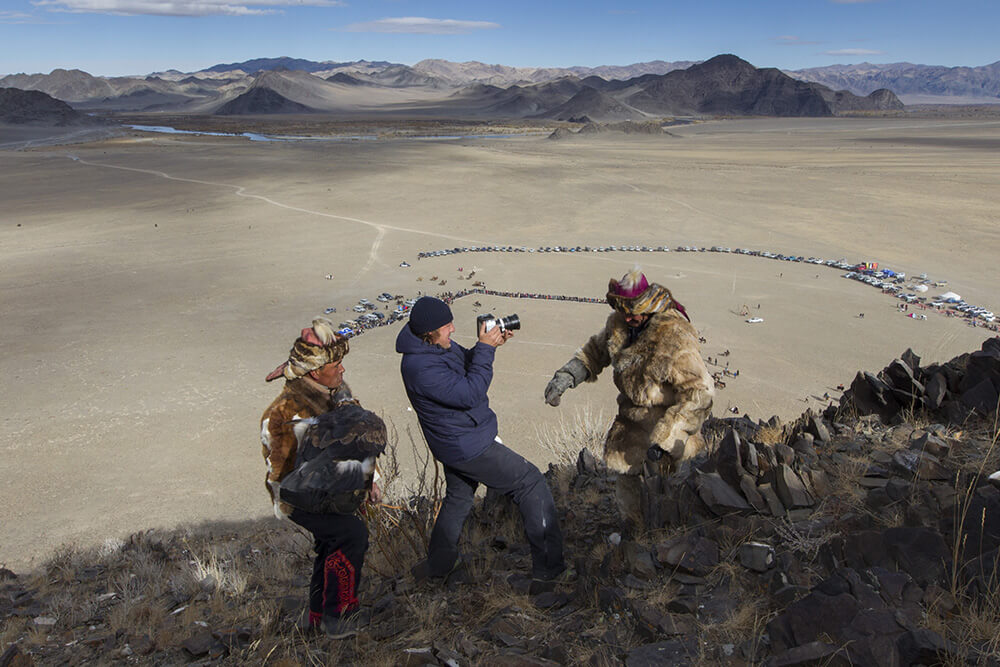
950, 297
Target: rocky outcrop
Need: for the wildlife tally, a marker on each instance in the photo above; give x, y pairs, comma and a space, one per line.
595, 105
843, 102
346, 79
955, 391
590, 128
31, 107
729, 85
260, 100
561, 133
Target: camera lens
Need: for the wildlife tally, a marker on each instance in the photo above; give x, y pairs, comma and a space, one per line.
510, 322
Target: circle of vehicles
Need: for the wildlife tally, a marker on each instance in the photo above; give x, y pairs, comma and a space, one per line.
369, 316
890, 282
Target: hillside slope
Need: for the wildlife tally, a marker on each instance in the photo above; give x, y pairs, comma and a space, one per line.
869, 536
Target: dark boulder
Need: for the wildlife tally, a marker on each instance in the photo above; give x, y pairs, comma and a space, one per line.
729, 462
981, 397
717, 495
920, 552
690, 553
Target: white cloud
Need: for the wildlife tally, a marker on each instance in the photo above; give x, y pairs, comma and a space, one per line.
12, 17
854, 52
422, 26
179, 7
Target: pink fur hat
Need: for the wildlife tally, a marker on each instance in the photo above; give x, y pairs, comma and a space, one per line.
315, 347
631, 285
634, 295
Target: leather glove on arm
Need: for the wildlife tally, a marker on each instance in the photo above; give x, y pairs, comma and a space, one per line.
567, 377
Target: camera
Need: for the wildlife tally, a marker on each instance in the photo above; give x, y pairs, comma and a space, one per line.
510, 322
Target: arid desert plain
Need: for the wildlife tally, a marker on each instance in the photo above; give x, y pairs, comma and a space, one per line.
149, 282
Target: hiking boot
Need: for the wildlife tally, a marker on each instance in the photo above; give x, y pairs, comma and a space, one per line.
567, 576
422, 571
347, 625
456, 567
547, 585
458, 575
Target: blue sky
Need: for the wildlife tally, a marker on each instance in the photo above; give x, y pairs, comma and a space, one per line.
118, 37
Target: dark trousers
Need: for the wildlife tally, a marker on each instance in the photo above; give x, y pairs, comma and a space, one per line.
341, 541
509, 473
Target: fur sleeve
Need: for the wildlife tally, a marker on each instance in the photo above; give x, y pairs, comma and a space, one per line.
594, 354
279, 442
693, 393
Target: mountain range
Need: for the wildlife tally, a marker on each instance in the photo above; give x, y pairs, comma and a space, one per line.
907, 79
723, 85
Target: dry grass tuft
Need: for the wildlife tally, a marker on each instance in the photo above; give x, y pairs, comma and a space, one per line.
569, 435
771, 435
806, 545
222, 572
846, 495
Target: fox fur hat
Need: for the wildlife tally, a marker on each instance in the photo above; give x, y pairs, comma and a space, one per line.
634, 295
315, 347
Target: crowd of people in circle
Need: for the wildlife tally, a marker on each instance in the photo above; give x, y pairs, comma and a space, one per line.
356, 328
890, 282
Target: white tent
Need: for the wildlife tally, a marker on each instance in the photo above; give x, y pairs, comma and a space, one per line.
920, 288
949, 296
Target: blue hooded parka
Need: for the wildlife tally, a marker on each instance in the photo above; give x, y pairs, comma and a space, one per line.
447, 389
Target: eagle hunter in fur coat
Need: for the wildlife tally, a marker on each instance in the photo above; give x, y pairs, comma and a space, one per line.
665, 390
301, 398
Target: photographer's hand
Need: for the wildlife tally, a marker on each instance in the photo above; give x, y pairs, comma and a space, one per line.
494, 337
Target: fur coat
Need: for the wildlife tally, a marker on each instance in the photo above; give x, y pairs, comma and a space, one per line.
299, 399
665, 390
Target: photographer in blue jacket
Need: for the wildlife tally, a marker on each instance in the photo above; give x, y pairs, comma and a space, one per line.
447, 386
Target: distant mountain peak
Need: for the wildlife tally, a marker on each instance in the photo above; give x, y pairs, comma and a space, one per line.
261, 100
285, 62
909, 80
32, 107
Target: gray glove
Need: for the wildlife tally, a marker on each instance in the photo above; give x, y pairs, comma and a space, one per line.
567, 377
559, 383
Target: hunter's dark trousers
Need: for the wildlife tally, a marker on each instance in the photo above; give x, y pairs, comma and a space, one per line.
505, 471
341, 541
